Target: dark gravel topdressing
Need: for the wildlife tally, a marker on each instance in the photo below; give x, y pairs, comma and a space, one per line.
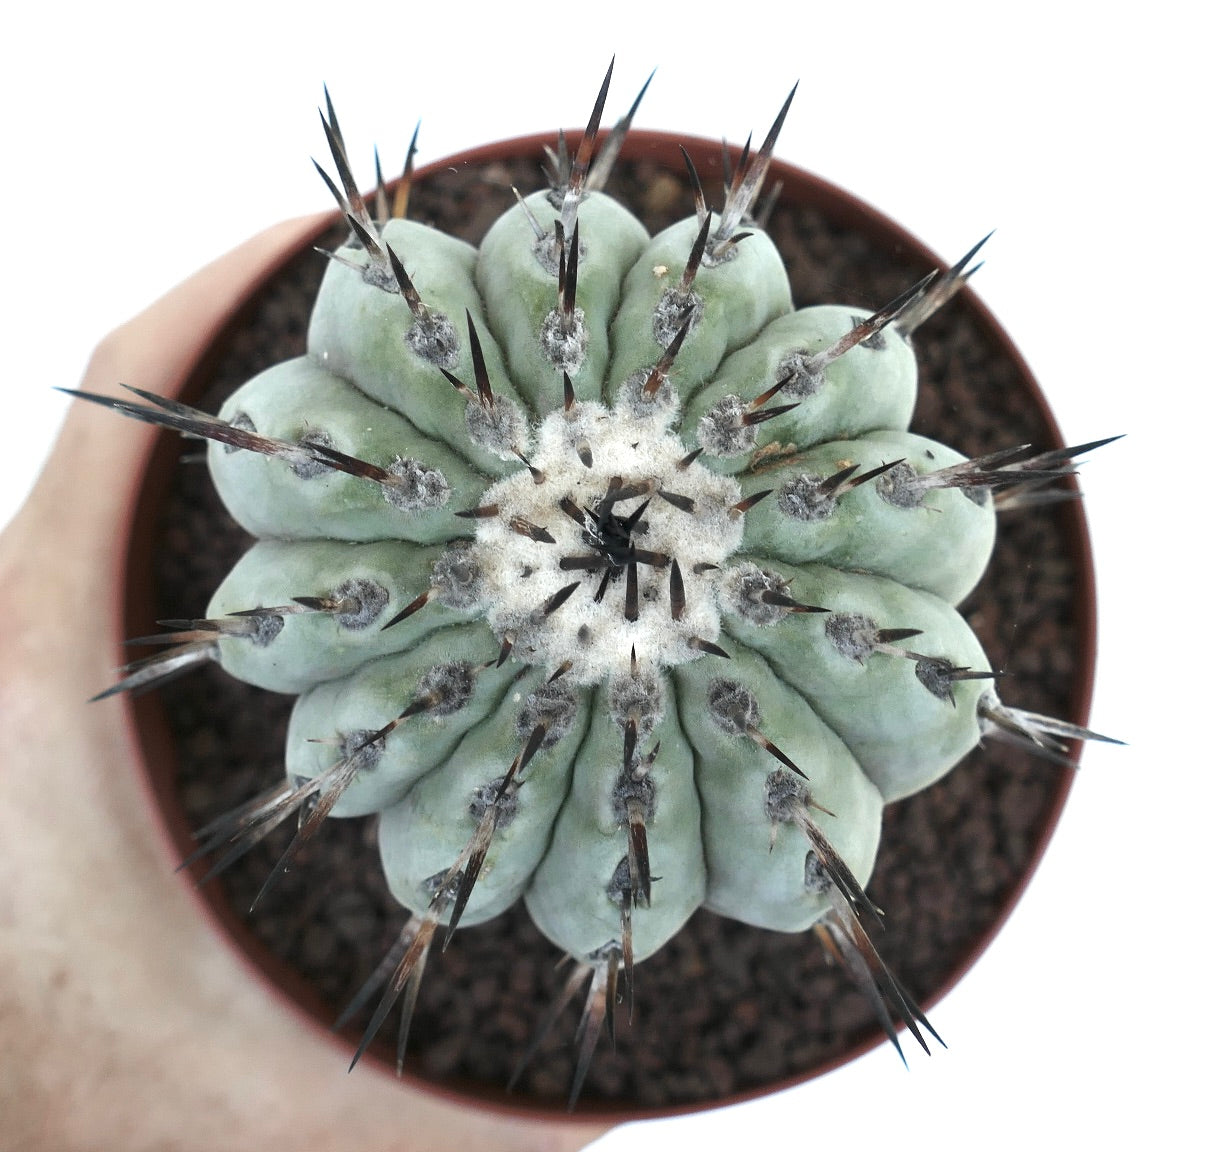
723, 1009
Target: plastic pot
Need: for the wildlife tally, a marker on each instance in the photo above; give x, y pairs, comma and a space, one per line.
725, 1012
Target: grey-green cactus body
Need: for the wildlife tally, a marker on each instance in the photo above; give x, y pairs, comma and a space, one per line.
875, 388
756, 852
423, 834
609, 557
517, 276
333, 721
604, 577
726, 305
587, 863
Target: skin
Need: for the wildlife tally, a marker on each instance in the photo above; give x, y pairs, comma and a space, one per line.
127, 1021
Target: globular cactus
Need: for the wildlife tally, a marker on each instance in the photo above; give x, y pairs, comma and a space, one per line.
606, 578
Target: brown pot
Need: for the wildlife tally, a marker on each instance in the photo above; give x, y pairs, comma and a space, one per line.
725, 1012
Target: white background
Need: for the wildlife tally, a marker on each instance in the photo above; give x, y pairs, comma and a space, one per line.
139, 144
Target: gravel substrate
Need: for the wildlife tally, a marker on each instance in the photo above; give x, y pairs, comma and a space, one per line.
723, 1009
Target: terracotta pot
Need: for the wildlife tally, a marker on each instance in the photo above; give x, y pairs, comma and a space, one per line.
777, 1000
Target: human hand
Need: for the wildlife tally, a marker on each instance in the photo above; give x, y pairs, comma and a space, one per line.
128, 1022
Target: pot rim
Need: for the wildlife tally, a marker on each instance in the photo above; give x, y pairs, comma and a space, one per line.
147, 717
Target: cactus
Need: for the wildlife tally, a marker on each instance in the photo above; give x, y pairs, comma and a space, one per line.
606, 578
